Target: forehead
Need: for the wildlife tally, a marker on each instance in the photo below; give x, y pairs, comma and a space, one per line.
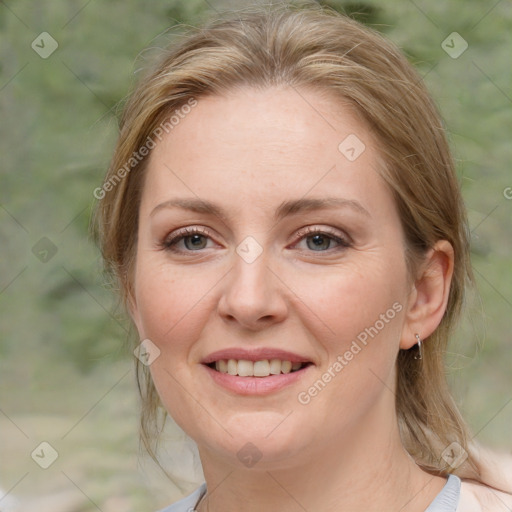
254, 147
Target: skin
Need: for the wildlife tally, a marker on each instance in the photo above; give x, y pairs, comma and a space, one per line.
249, 151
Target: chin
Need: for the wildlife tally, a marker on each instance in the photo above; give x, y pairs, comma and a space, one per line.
258, 440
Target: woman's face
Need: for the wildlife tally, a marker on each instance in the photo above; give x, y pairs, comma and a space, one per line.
266, 234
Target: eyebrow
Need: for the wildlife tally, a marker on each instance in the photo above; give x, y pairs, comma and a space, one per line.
305, 205
285, 209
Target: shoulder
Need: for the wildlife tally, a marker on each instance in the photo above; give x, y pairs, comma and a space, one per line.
187, 504
477, 497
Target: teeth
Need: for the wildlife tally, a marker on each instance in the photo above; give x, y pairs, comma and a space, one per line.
275, 366
232, 367
264, 368
261, 368
245, 368
286, 366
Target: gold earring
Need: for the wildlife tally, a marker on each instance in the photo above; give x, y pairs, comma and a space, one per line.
419, 355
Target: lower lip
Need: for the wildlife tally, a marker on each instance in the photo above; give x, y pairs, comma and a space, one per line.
256, 385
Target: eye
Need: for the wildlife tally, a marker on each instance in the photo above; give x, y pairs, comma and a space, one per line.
194, 239
322, 240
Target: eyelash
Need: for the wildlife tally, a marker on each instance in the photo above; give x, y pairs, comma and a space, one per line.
343, 241
170, 242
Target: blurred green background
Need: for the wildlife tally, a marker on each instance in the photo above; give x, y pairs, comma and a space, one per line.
65, 357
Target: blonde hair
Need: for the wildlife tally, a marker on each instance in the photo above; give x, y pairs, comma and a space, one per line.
318, 48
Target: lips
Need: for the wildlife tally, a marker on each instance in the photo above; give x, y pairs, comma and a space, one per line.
257, 371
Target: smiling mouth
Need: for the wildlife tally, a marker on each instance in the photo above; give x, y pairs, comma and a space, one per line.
262, 368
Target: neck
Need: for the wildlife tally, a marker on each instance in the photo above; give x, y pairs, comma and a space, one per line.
366, 468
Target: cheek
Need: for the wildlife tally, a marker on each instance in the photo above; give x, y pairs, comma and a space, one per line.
360, 312
171, 304
349, 301
172, 309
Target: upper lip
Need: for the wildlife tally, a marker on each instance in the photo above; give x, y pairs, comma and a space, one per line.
256, 354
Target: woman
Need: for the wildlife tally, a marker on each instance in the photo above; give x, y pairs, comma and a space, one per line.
285, 222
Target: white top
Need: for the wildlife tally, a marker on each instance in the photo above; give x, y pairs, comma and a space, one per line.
446, 501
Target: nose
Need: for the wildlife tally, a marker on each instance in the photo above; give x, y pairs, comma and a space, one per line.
253, 296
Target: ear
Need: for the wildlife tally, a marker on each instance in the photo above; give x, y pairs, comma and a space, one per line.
429, 295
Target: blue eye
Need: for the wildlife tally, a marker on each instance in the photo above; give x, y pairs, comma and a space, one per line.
319, 242
193, 239
322, 241
196, 242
